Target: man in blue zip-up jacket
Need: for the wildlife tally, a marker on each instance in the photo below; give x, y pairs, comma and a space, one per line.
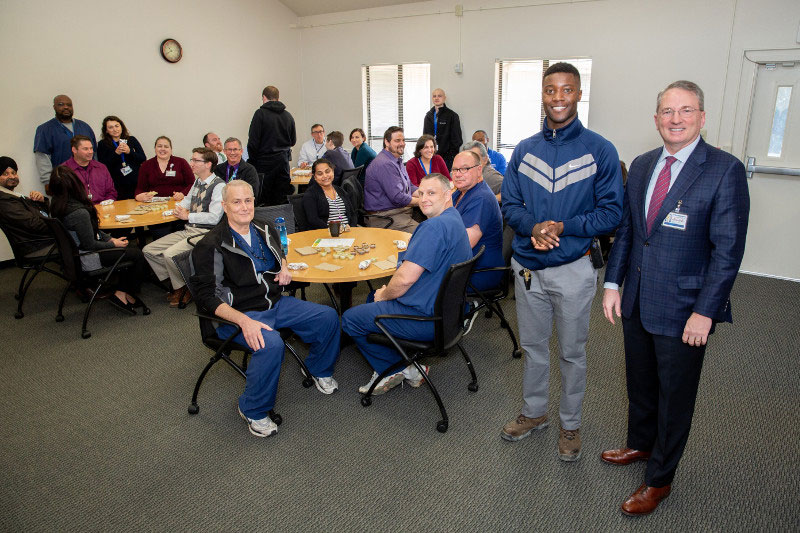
562, 187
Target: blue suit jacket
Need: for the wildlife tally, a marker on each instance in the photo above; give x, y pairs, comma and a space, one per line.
676, 272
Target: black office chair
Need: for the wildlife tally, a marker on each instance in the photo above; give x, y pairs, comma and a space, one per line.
73, 272
45, 259
286, 211
355, 191
489, 300
223, 347
346, 173
448, 322
300, 220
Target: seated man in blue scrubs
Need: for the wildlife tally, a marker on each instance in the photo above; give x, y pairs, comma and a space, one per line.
480, 212
437, 243
239, 270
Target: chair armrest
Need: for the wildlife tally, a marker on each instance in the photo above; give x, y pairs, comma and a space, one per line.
407, 317
491, 269
195, 237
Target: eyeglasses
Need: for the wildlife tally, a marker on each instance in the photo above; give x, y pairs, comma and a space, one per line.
318, 131
684, 112
463, 170
233, 149
193, 160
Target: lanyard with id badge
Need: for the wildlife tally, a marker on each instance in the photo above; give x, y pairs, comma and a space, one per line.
675, 219
125, 169
171, 172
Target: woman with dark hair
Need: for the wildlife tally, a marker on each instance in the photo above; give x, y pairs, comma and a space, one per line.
362, 153
324, 201
71, 204
425, 161
122, 154
164, 174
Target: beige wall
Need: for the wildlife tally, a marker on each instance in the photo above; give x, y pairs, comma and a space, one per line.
637, 47
105, 55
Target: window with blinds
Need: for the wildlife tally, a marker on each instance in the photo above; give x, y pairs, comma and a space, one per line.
518, 111
395, 95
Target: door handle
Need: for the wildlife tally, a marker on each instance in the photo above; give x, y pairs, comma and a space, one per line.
752, 167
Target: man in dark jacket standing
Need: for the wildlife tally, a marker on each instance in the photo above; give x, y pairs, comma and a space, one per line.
272, 135
443, 123
239, 270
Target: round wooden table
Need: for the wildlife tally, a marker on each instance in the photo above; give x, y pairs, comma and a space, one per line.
384, 247
300, 179
106, 214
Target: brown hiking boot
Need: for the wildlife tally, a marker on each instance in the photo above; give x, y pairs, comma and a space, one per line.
569, 444
522, 426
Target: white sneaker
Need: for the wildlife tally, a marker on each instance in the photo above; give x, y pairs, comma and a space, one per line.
413, 376
260, 428
469, 321
364, 388
326, 385
383, 385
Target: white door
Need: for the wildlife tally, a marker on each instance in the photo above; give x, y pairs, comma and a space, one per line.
773, 146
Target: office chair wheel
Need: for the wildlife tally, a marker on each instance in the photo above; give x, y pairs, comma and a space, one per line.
16, 296
472, 387
85, 334
366, 401
145, 311
275, 417
19, 314
517, 353
308, 382
59, 318
488, 313
194, 409
441, 427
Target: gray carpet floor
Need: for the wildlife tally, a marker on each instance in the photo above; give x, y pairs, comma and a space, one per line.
95, 433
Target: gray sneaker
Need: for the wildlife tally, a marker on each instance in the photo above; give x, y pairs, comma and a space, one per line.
326, 385
389, 382
260, 428
522, 426
569, 444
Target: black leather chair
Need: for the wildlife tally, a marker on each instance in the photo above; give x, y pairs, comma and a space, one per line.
355, 191
46, 259
448, 322
223, 347
73, 272
489, 300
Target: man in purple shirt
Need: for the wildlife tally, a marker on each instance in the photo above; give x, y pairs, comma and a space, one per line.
94, 175
388, 192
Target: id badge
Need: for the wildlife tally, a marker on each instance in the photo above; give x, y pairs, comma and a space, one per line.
170, 173
125, 170
676, 220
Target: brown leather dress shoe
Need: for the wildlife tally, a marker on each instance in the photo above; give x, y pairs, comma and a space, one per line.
645, 500
624, 456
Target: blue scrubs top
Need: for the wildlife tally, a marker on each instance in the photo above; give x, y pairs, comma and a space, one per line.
436, 244
479, 206
53, 138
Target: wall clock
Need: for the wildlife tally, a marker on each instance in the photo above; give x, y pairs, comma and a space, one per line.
171, 50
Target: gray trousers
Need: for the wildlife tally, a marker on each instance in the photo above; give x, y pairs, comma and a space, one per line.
159, 254
401, 219
565, 293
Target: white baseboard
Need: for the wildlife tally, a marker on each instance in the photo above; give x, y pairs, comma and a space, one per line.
768, 276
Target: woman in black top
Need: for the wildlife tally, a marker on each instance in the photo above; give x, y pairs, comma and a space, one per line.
71, 204
122, 154
324, 201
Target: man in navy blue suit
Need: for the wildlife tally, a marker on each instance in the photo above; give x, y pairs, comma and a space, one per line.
677, 251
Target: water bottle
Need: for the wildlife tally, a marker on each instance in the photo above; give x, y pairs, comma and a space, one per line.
280, 225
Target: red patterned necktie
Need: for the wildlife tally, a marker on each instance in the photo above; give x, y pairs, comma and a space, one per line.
659, 192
